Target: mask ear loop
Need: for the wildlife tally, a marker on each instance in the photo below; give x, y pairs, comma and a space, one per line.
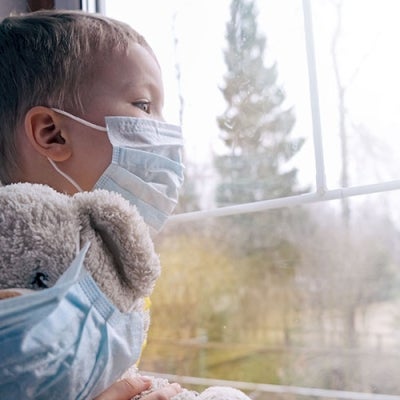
83, 122
68, 178
80, 120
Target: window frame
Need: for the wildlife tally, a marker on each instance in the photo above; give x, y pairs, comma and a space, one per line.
321, 192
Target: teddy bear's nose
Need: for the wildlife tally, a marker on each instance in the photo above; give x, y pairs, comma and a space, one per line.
40, 280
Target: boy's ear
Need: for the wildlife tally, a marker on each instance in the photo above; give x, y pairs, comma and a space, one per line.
43, 128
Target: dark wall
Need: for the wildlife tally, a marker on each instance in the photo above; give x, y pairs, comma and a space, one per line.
17, 6
9, 6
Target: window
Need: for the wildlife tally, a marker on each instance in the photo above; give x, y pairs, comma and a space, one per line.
282, 264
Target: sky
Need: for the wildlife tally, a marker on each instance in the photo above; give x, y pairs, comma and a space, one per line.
368, 63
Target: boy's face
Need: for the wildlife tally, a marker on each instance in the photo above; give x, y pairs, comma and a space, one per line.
128, 85
125, 85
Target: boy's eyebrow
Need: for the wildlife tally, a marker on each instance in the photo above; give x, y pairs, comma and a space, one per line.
130, 85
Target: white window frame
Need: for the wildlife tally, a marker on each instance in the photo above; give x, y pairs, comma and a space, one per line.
321, 192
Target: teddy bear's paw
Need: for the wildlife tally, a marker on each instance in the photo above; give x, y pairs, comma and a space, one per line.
186, 395
156, 383
222, 393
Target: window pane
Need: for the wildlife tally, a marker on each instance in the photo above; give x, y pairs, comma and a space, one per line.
296, 297
304, 296
358, 80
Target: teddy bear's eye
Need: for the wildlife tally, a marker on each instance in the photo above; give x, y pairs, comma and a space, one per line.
40, 280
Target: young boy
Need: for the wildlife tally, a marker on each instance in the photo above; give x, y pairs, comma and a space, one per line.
81, 100
61, 75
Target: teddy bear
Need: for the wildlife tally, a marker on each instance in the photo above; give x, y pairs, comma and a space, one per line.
40, 232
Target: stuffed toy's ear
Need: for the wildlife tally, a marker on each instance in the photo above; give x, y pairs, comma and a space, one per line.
40, 230
38, 235
121, 257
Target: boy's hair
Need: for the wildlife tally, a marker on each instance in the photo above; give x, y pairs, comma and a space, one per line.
47, 58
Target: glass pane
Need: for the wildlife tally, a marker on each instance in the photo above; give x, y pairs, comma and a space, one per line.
306, 296
263, 155
301, 297
358, 80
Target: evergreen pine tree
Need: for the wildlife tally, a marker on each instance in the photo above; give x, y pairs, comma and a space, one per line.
255, 127
256, 131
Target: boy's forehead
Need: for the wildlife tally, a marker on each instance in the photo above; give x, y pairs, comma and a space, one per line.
126, 72
134, 67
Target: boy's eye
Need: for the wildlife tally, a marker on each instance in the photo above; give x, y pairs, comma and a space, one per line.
143, 105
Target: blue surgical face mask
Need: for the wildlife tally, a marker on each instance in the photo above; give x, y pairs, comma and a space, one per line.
67, 341
146, 167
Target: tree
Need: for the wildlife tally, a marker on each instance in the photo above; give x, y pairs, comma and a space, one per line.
256, 131
255, 127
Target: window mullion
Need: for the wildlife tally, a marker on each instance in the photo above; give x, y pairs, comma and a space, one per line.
314, 99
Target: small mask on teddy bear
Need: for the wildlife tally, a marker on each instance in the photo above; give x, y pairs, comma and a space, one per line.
90, 260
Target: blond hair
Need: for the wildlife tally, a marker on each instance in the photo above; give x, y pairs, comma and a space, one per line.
47, 58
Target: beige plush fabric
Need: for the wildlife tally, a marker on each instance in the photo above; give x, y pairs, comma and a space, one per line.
39, 234
41, 231
211, 393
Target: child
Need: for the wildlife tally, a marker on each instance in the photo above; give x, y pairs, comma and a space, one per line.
92, 67
81, 101
62, 75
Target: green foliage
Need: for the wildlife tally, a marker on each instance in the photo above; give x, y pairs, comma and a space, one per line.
200, 309
196, 293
